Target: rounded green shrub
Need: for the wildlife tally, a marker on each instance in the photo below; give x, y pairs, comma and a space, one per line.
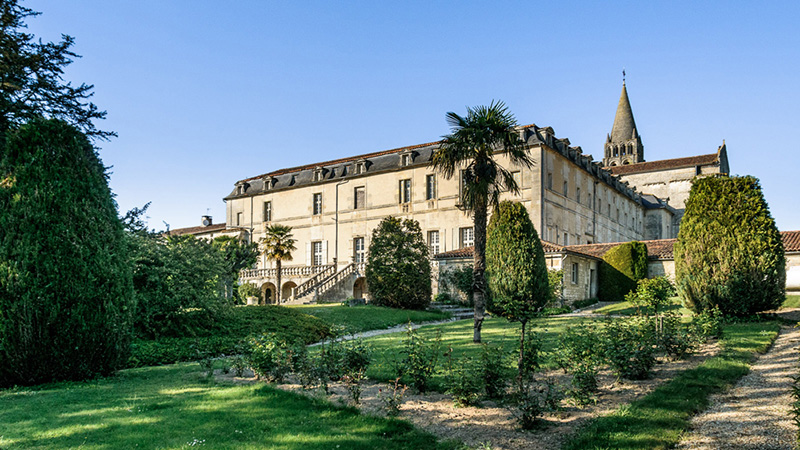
398, 269
66, 295
621, 268
729, 252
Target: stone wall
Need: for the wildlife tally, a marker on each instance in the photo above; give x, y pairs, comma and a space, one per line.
793, 272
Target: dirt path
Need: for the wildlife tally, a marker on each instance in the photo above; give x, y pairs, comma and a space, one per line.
755, 414
395, 329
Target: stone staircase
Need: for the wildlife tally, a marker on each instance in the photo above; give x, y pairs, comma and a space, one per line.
458, 312
324, 286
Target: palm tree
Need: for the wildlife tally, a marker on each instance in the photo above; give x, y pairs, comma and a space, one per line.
278, 246
469, 150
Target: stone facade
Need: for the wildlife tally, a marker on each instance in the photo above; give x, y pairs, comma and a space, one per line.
333, 206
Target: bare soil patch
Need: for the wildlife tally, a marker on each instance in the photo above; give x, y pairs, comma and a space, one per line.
493, 424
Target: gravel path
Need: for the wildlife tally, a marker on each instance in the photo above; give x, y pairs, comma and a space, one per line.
755, 414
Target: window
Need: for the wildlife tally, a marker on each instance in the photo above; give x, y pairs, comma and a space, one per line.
549, 181
566, 239
462, 185
359, 252
267, 211
317, 204
360, 168
318, 175
430, 187
517, 175
316, 253
589, 200
405, 160
565, 190
608, 210
433, 242
239, 220
360, 196
467, 237
405, 191
575, 273
578, 195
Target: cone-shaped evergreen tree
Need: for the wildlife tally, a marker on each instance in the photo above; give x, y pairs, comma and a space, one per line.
729, 252
66, 296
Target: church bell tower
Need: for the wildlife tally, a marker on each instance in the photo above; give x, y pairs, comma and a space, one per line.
623, 145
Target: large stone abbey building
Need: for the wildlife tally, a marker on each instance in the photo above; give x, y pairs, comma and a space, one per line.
333, 206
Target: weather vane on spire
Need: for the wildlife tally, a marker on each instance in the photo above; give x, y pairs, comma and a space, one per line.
623, 75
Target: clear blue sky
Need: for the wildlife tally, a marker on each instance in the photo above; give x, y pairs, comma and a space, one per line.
204, 93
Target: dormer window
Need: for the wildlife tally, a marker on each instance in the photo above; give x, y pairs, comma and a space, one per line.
318, 174
241, 188
360, 167
406, 158
268, 183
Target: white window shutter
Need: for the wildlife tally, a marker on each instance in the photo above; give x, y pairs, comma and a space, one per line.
324, 252
308, 253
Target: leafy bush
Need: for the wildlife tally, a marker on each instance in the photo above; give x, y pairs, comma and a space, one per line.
580, 354
420, 358
492, 371
172, 350
271, 357
66, 298
651, 293
464, 382
392, 398
621, 268
398, 269
709, 323
676, 339
729, 252
630, 346
531, 399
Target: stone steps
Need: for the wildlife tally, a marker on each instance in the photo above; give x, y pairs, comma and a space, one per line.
458, 312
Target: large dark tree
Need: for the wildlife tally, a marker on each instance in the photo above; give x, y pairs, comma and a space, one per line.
515, 268
66, 298
729, 253
398, 269
31, 77
469, 151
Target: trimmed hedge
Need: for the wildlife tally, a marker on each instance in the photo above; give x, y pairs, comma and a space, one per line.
729, 252
225, 335
621, 268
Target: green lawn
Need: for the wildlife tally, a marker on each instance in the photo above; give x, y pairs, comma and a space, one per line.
627, 308
367, 317
657, 420
792, 301
458, 335
173, 407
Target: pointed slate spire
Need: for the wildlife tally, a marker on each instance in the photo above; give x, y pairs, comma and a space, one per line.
624, 126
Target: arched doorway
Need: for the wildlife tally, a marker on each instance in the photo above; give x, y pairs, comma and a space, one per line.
360, 288
286, 291
268, 293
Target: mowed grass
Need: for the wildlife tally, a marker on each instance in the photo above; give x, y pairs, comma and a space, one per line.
173, 407
792, 301
367, 317
458, 337
625, 308
658, 420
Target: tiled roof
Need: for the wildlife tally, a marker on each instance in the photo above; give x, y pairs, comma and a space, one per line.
665, 164
659, 249
197, 230
466, 252
791, 241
